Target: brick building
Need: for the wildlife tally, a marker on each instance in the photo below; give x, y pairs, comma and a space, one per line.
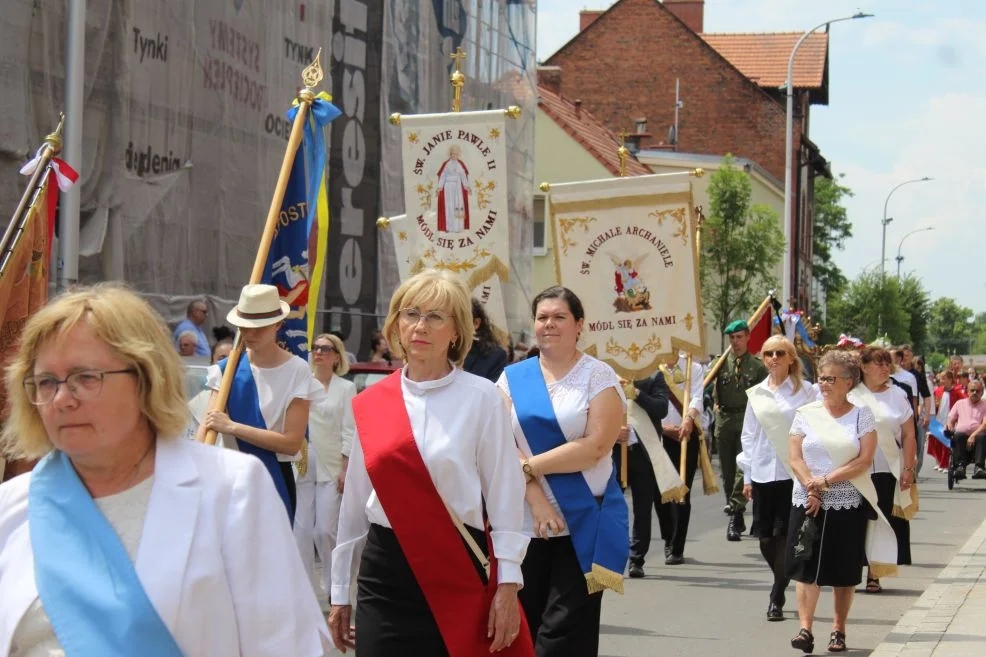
626, 63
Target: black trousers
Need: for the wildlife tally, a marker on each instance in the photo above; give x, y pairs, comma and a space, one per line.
673, 517
885, 484
960, 449
288, 475
643, 491
563, 617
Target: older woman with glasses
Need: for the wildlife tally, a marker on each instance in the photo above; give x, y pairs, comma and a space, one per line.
432, 458
895, 461
126, 539
832, 444
330, 439
770, 411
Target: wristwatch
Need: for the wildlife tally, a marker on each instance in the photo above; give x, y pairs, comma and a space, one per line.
528, 470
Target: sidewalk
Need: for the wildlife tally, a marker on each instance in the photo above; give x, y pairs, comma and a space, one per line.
949, 619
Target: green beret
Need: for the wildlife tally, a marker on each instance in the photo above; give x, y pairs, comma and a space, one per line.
738, 325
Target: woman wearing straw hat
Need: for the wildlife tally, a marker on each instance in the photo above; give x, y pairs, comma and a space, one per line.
272, 390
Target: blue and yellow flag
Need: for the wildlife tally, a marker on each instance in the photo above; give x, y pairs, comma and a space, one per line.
296, 261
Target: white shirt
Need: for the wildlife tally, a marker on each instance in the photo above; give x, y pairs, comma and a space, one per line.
331, 428
277, 387
570, 398
893, 403
761, 463
903, 376
695, 400
842, 494
460, 427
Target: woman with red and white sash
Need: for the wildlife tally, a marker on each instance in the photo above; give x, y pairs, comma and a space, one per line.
567, 411
895, 461
770, 409
433, 448
830, 533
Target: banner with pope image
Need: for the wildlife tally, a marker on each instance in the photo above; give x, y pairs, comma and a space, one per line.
455, 193
626, 247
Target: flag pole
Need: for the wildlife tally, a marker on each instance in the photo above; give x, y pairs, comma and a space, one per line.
754, 318
18, 223
311, 76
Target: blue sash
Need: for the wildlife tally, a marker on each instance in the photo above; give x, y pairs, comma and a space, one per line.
600, 532
244, 407
86, 582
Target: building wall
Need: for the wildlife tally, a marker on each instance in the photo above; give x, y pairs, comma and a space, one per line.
558, 158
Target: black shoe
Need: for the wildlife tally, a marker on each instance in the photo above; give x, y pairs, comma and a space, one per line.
979, 473
667, 550
740, 521
727, 509
636, 571
674, 560
731, 533
803, 641
959, 473
774, 613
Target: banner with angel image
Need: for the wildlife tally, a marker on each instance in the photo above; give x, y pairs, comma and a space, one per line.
626, 247
455, 193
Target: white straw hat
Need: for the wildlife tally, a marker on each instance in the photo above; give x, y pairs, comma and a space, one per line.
259, 306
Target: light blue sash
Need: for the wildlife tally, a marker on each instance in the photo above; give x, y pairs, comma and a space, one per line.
86, 582
600, 531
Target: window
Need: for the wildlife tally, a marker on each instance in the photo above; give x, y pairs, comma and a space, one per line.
540, 225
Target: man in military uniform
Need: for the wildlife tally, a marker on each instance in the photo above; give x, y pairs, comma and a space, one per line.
740, 371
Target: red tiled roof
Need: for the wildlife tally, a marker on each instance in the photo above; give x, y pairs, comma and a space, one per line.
589, 132
763, 57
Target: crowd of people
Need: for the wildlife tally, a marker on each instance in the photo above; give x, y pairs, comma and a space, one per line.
469, 502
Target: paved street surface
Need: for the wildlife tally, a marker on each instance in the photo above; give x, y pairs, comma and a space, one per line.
714, 604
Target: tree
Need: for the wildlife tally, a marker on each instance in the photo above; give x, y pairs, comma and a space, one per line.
830, 230
979, 326
867, 303
915, 300
741, 246
950, 326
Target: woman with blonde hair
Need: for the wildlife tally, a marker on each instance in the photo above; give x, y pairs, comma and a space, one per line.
765, 461
126, 539
433, 450
330, 438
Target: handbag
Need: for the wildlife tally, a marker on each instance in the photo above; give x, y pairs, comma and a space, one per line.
805, 544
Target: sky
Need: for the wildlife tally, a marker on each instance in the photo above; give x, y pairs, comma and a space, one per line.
907, 99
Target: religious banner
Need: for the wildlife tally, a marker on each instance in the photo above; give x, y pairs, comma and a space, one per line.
455, 192
402, 234
627, 248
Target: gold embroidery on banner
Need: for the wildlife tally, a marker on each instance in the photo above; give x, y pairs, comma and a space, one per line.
412, 138
454, 265
494, 133
484, 190
678, 216
568, 225
424, 191
402, 236
688, 321
634, 352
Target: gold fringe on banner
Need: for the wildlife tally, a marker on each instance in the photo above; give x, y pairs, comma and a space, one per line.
600, 579
878, 570
911, 510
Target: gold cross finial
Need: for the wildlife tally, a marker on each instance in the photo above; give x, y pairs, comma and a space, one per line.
458, 56
623, 152
457, 79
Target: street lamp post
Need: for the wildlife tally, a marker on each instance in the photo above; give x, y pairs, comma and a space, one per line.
789, 156
900, 258
887, 220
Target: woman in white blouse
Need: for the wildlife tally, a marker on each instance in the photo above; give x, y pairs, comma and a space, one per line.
766, 427
330, 438
567, 412
895, 461
267, 412
127, 539
827, 530
433, 449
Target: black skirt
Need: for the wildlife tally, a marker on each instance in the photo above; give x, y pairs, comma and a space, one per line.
392, 614
772, 507
885, 484
838, 551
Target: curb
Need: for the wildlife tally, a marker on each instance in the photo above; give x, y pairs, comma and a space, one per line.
941, 608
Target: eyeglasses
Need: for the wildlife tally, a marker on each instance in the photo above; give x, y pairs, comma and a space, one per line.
433, 318
83, 385
323, 348
829, 380
975, 391
774, 354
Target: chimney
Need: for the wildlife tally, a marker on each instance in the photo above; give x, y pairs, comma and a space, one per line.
549, 77
578, 109
588, 16
635, 140
689, 12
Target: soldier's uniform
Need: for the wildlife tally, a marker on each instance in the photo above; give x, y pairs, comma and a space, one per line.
731, 382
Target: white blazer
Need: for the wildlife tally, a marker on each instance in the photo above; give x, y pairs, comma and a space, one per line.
217, 558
